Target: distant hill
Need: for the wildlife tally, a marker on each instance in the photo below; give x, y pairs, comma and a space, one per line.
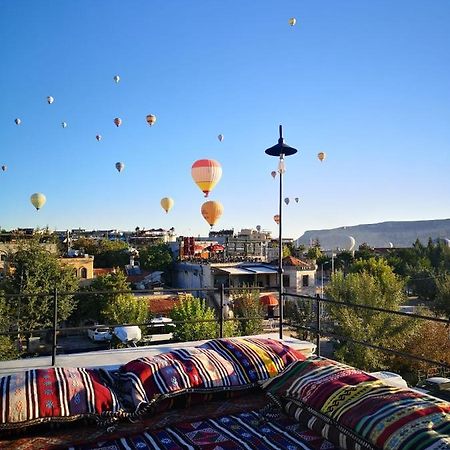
385, 234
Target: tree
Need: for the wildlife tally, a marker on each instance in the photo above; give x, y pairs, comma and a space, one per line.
36, 271
8, 350
249, 310
106, 253
372, 283
116, 305
156, 257
365, 251
442, 302
299, 314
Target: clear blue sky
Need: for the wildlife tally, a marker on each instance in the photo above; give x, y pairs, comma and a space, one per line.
367, 82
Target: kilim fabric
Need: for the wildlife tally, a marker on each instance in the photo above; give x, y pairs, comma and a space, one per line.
385, 416
247, 430
54, 395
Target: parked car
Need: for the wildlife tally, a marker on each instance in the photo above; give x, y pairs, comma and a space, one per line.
128, 335
100, 333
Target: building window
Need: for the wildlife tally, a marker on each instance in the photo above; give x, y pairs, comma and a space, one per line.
305, 280
83, 272
286, 281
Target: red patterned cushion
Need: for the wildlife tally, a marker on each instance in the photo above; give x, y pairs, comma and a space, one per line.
53, 395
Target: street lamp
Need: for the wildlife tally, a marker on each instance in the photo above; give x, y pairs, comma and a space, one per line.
280, 150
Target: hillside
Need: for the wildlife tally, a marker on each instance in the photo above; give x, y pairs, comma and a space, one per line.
385, 234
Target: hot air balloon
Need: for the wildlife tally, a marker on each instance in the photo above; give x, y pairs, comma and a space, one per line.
321, 156
220, 137
292, 21
38, 200
286, 200
206, 174
118, 121
98, 137
212, 211
120, 166
4, 168
296, 199
276, 217
167, 204
151, 119
17, 121
50, 100
273, 173
258, 228
116, 78
64, 124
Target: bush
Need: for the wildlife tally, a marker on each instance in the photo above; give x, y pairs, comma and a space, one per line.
249, 310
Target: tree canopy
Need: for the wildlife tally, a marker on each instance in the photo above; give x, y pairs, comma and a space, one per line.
156, 257
106, 253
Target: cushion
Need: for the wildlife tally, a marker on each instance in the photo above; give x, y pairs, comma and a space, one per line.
384, 416
218, 369
54, 395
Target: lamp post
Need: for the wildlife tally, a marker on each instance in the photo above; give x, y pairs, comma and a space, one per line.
280, 150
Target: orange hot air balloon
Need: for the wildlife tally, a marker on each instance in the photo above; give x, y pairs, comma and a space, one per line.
212, 211
206, 174
321, 156
276, 217
167, 203
118, 121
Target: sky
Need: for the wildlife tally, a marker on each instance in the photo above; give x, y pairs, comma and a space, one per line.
366, 82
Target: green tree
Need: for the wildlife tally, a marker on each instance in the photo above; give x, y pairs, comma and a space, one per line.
365, 251
156, 257
106, 253
372, 283
248, 309
442, 302
299, 315
8, 349
36, 271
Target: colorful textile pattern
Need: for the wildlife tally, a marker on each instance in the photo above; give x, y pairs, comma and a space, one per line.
253, 359
247, 430
53, 395
385, 416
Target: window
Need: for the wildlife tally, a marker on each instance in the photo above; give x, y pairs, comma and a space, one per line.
286, 281
83, 272
305, 280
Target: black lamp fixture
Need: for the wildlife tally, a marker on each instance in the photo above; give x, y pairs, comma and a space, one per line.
281, 150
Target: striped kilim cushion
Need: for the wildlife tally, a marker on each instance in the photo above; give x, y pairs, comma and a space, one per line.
53, 395
220, 366
387, 417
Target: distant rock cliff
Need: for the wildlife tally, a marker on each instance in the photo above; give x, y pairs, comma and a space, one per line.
385, 234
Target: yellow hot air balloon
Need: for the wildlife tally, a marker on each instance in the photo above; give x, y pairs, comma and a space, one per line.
292, 21
276, 217
321, 156
151, 119
212, 211
38, 200
167, 204
206, 174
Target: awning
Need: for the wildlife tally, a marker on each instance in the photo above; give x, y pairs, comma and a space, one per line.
261, 269
235, 271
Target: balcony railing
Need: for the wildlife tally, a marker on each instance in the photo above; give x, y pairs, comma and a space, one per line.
220, 294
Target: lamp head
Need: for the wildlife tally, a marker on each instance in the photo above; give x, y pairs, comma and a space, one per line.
281, 148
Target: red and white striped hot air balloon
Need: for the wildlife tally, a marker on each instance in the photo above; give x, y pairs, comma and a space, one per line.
206, 174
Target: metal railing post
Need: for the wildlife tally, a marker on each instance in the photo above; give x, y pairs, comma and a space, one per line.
55, 324
222, 297
318, 324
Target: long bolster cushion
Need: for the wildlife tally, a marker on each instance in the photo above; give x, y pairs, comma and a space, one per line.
54, 395
387, 417
213, 370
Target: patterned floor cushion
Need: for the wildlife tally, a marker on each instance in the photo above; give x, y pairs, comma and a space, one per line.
385, 416
54, 395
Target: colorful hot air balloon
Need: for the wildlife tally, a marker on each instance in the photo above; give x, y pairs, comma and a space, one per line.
4, 168
212, 211
220, 137
116, 78
167, 203
276, 217
98, 137
292, 21
206, 174
38, 200
17, 121
50, 99
273, 173
64, 124
296, 199
120, 166
118, 121
286, 200
151, 119
321, 156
